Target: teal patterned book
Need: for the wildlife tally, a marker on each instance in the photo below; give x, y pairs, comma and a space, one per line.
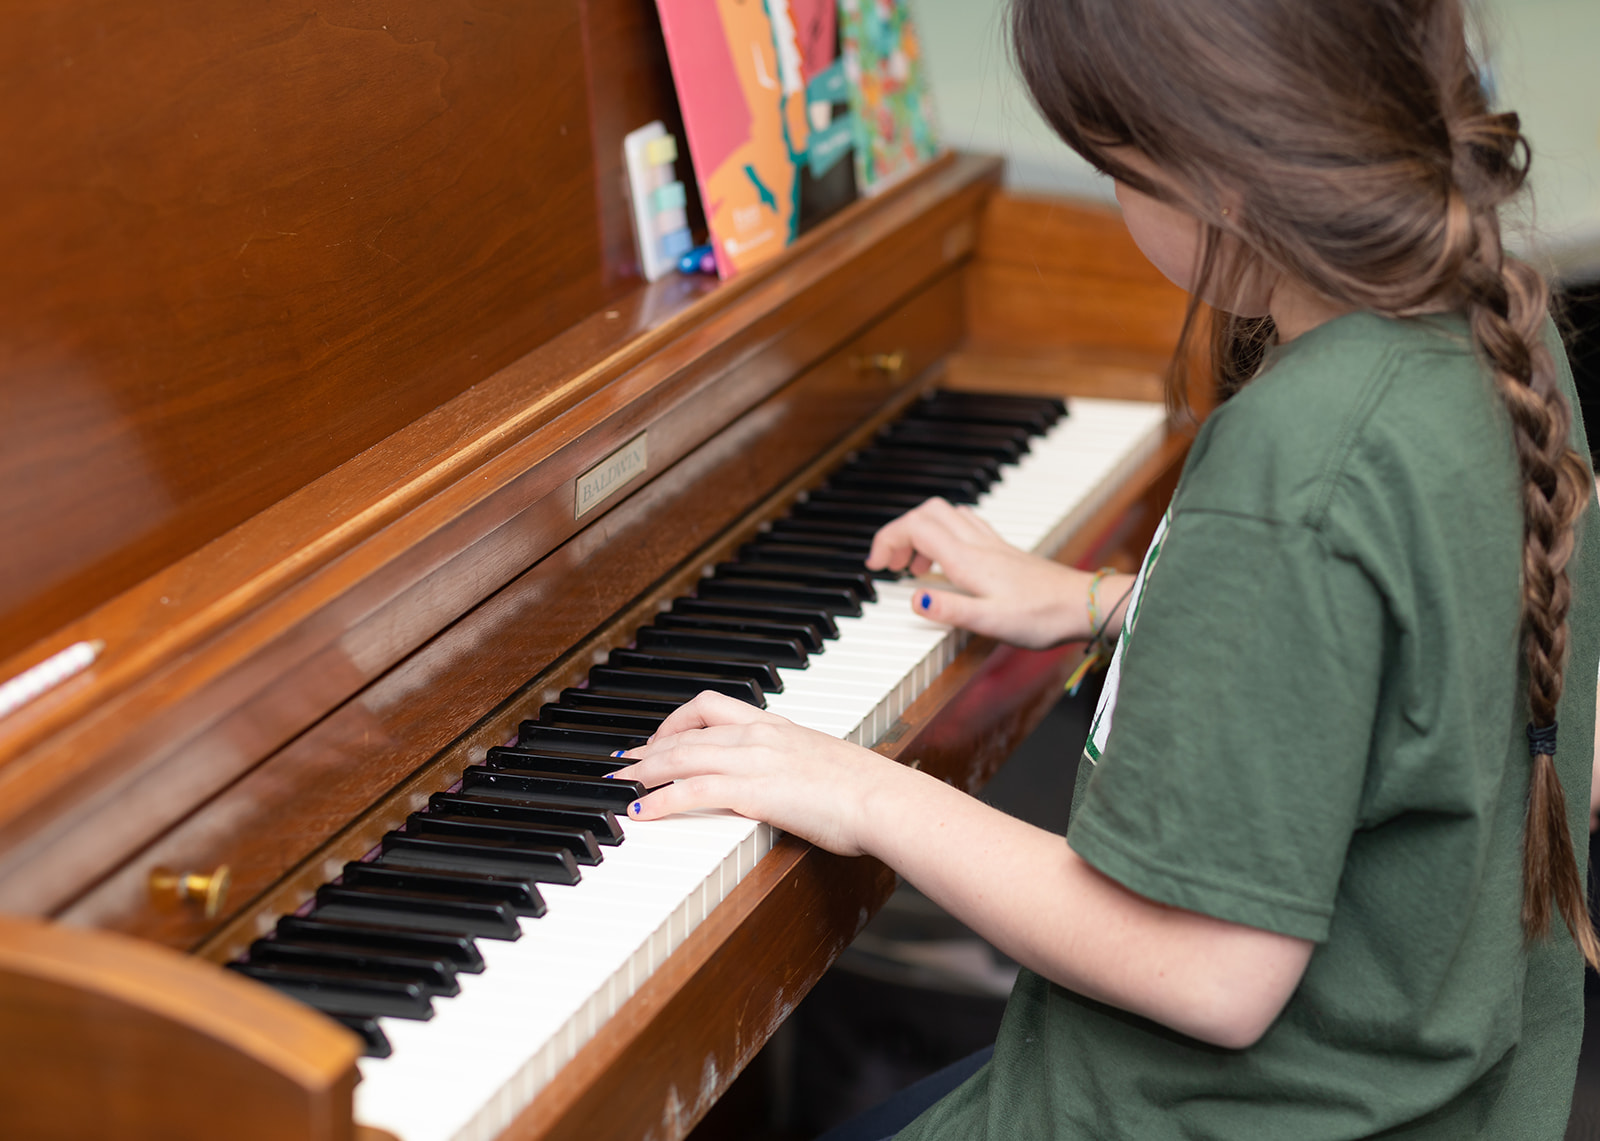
893, 115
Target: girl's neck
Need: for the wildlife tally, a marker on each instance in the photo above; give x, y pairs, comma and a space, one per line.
1296, 309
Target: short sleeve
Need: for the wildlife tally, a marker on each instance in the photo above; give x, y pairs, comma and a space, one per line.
1231, 782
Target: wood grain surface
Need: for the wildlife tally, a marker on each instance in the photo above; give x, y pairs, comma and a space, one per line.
1051, 273
336, 779
102, 1036
222, 659
246, 241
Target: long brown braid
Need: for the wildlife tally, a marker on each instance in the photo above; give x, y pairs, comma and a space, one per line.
1356, 142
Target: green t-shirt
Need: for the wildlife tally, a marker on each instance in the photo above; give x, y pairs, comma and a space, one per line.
1319, 731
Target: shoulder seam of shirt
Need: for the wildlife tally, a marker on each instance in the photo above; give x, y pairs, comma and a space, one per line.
1339, 455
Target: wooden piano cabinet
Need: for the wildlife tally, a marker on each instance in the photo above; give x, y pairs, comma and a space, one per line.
110, 1037
307, 808
1061, 301
234, 652
311, 318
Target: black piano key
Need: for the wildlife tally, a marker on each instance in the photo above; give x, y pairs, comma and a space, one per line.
1036, 418
831, 599
1051, 407
857, 579
610, 720
940, 430
850, 553
902, 484
458, 949
853, 514
519, 893
435, 976
849, 559
579, 841
880, 496
557, 788
330, 988
542, 864
596, 742
814, 616
672, 684
836, 554
374, 1042
763, 674
890, 466
418, 910
599, 822
588, 699
555, 760
806, 635
779, 651
900, 453
933, 437
814, 529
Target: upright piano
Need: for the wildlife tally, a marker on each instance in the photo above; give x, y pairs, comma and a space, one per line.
341, 436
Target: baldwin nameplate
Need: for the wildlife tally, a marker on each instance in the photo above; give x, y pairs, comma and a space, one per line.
610, 475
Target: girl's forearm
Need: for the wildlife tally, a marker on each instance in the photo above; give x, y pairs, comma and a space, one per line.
1029, 894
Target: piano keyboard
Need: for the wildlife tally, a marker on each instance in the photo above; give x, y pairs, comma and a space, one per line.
484, 944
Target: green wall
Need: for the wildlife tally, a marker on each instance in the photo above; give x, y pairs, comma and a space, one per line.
1544, 58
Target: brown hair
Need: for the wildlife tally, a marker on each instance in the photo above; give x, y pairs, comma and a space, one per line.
1357, 144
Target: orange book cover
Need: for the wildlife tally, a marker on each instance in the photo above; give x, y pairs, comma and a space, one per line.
766, 111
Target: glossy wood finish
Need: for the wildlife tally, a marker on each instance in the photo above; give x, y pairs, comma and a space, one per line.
1058, 290
543, 625
1053, 274
102, 1036
246, 241
221, 659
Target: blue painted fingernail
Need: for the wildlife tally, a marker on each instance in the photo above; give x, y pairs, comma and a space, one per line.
607, 776
617, 753
926, 601
637, 807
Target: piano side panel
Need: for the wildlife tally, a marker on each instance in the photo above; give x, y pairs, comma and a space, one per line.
245, 241
109, 1037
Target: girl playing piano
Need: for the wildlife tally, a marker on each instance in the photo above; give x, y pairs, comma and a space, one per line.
1320, 879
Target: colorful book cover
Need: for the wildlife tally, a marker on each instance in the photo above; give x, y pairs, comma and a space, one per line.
889, 94
766, 110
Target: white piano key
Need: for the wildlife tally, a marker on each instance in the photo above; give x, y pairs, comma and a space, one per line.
464, 1075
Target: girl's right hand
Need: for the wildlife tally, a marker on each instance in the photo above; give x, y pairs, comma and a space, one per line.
1002, 592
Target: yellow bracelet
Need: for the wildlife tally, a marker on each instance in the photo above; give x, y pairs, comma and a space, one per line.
1095, 618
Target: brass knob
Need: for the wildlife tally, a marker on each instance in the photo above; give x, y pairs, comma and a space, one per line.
889, 364
173, 889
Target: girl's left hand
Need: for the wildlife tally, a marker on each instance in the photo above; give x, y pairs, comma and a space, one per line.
719, 752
